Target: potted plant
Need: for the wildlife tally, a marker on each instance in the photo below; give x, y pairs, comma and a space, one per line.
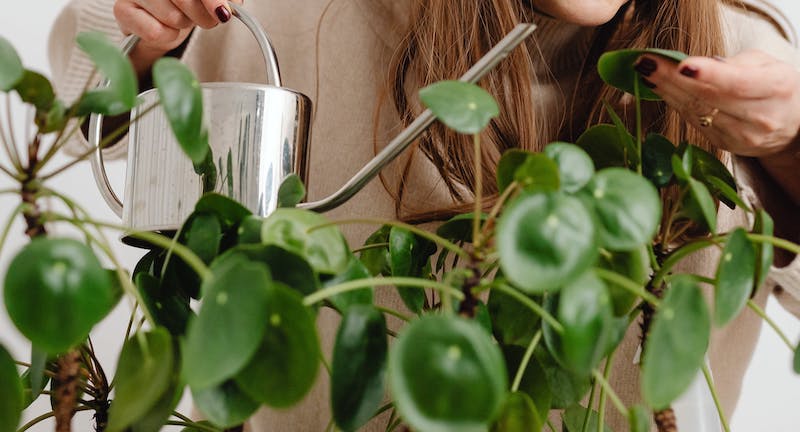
510, 313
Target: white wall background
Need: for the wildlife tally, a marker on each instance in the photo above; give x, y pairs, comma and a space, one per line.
771, 391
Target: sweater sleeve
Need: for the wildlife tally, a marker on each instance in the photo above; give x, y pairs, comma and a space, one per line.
747, 31
71, 67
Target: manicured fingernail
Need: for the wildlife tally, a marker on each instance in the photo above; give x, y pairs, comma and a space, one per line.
689, 71
646, 66
719, 59
223, 14
648, 83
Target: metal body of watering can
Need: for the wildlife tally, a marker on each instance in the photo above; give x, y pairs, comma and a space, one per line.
258, 134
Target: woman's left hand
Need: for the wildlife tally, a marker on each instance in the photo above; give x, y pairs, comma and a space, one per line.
748, 104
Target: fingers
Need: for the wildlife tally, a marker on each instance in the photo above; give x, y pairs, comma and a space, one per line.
154, 33
206, 13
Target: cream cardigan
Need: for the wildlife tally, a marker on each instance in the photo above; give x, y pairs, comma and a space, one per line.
357, 38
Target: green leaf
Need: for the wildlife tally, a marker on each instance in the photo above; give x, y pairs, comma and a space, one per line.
575, 166
377, 259
168, 308
518, 415
291, 191
230, 325
463, 107
616, 69
606, 148
726, 194
657, 152
284, 368
155, 419
194, 429
677, 344
456, 380
567, 387
202, 234
355, 270
538, 173
53, 120
765, 252
249, 231
705, 167
35, 89
207, 170
507, 167
359, 367
512, 322
628, 208
225, 405
534, 379
229, 212
544, 241
735, 277
639, 419
56, 291
584, 310
285, 266
298, 231
182, 101
634, 265
120, 95
146, 358
11, 69
409, 256
574, 417
459, 227
11, 396
699, 205
678, 169
34, 379
625, 137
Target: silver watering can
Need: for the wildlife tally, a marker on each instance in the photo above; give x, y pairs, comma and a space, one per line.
258, 134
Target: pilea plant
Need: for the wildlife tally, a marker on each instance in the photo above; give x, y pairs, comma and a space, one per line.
511, 313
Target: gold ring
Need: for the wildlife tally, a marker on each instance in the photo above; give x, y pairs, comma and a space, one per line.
708, 119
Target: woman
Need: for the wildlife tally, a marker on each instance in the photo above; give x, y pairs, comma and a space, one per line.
373, 54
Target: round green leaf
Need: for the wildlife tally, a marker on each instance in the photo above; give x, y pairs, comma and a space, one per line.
229, 212
376, 258
736, 276
155, 419
616, 69
575, 166
225, 405
574, 416
459, 227
343, 301
409, 255
297, 231
628, 208
639, 419
699, 205
507, 166
544, 241
584, 310
120, 95
463, 107
677, 343
168, 308
285, 366
226, 333
56, 291
714, 174
11, 396
657, 151
764, 251
634, 265
35, 89
249, 231
455, 380
11, 69
608, 147
512, 322
359, 366
182, 101
534, 380
538, 173
518, 415
566, 387
146, 358
291, 191
285, 266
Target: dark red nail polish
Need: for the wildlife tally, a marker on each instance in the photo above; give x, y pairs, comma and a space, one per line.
646, 66
689, 71
648, 83
223, 14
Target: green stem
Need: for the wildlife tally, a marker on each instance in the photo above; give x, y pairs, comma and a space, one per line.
478, 208
9, 173
679, 254
627, 284
713, 390
615, 399
510, 190
198, 426
393, 313
549, 424
775, 241
585, 425
760, 312
638, 100
325, 363
370, 246
14, 213
601, 406
532, 305
408, 227
523, 365
46, 416
380, 281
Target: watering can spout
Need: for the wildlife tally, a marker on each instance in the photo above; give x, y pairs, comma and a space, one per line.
419, 125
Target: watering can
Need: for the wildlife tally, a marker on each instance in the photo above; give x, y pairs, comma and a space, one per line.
258, 134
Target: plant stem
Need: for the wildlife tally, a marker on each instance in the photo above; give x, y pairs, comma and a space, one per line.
11, 142
478, 208
638, 100
606, 387
760, 312
713, 390
627, 284
325, 363
393, 313
585, 425
775, 241
408, 227
46, 416
532, 305
370, 246
510, 190
379, 281
14, 213
601, 406
526, 358
198, 426
678, 254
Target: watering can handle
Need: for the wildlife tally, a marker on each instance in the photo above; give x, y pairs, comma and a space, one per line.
96, 120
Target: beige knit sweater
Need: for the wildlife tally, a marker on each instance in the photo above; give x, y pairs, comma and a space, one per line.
357, 37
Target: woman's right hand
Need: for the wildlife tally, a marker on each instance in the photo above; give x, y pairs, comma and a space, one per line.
163, 25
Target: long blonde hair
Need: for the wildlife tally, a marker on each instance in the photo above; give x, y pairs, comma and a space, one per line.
447, 36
